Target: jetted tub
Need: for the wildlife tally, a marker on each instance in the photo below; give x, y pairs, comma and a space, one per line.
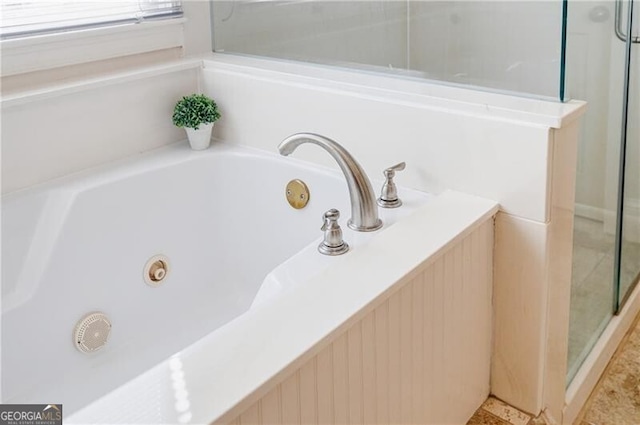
246, 296
79, 245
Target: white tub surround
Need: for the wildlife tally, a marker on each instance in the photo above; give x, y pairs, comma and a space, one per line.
396, 296
518, 151
49, 133
491, 145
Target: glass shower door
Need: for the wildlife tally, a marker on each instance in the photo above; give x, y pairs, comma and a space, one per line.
628, 241
603, 69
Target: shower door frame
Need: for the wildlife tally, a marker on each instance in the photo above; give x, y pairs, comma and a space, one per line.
629, 39
625, 309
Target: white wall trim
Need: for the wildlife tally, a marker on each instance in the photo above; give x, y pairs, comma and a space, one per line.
62, 90
608, 217
587, 377
632, 220
429, 94
75, 47
590, 212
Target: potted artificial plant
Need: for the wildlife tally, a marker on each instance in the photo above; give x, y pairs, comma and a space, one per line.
196, 113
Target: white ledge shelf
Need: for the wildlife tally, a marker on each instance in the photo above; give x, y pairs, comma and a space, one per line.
426, 94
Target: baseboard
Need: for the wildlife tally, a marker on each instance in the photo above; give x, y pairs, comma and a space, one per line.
632, 220
590, 212
608, 217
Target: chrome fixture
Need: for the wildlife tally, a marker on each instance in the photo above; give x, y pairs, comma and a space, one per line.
364, 211
620, 32
333, 244
389, 194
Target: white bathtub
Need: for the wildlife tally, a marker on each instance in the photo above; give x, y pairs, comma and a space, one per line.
79, 245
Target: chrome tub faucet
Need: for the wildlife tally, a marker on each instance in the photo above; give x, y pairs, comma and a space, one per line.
364, 210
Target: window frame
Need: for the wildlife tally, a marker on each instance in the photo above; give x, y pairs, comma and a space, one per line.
47, 51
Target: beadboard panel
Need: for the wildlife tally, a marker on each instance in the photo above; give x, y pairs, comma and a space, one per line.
420, 356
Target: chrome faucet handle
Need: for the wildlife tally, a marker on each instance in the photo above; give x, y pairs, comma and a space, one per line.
333, 244
389, 194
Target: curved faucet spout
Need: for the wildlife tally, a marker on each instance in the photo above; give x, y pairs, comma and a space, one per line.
364, 210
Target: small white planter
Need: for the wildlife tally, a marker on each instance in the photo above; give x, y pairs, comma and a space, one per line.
201, 138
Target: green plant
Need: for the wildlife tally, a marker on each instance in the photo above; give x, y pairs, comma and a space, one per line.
193, 110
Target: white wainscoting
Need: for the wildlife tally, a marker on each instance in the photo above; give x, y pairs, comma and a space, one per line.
422, 355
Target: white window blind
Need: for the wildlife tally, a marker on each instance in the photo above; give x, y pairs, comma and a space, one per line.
25, 18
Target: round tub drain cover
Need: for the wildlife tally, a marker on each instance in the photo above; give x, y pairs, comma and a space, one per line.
92, 332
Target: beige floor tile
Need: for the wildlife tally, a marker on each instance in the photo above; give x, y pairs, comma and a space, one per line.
616, 399
505, 412
630, 264
590, 234
591, 308
482, 417
592, 287
585, 261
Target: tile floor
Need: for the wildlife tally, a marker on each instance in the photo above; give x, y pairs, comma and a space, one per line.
616, 398
630, 263
495, 412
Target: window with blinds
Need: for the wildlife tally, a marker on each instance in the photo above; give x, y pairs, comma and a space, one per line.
26, 18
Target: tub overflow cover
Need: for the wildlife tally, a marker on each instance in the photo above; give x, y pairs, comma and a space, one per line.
297, 194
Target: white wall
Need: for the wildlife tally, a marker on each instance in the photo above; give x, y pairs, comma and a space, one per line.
197, 29
610, 161
595, 72
371, 33
66, 58
512, 46
51, 133
589, 45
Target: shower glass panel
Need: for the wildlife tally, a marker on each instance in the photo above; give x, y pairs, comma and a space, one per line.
606, 254
593, 77
630, 218
495, 45
367, 33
